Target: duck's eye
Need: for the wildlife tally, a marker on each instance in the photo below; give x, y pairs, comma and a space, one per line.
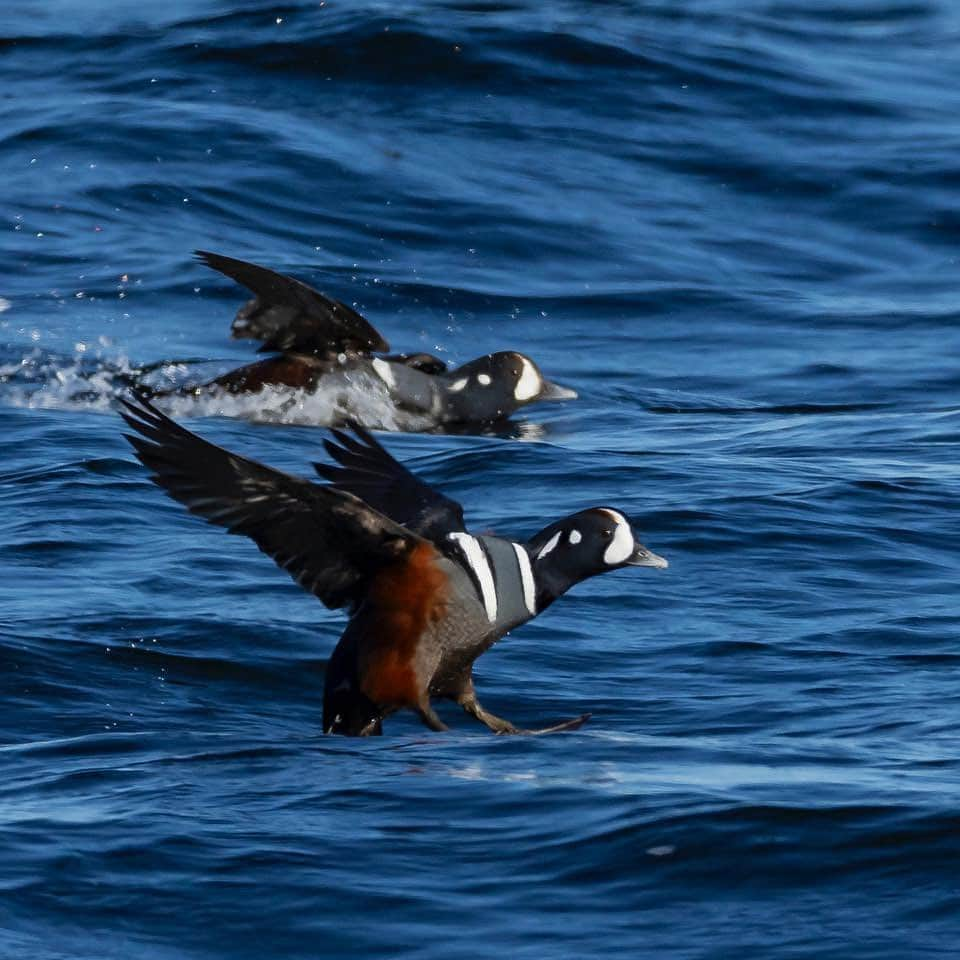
606, 533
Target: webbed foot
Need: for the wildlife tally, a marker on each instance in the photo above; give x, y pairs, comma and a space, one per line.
575, 724
498, 725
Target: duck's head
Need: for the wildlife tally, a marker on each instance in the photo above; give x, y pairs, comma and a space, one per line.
492, 387
584, 545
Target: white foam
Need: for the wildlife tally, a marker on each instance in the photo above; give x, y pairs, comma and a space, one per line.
41, 380
359, 397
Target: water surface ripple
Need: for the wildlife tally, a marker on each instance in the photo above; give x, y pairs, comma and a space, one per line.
733, 228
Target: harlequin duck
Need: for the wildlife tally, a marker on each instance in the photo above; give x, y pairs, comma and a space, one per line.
320, 340
425, 597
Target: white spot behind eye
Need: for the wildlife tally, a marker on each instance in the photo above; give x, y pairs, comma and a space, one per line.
575, 536
384, 372
458, 385
621, 546
549, 545
484, 379
530, 382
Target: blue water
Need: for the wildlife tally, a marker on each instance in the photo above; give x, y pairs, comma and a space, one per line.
733, 226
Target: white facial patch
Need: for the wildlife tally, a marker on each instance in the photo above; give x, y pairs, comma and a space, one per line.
575, 537
484, 379
621, 546
530, 382
458, 385
384, 372
480, 566
526, 579
549, 545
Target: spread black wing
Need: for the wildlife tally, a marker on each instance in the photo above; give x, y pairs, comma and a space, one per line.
288, 316
330, 542
370, 473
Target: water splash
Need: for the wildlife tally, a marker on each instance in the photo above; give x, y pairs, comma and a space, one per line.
45, 380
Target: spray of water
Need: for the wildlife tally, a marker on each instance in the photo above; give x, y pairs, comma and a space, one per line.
41, 379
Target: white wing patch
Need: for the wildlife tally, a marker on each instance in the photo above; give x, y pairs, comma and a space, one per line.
549, 545
621, 546
530, 382
481, 568
526, 578
384, 372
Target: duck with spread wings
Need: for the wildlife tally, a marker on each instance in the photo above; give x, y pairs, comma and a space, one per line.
317, 340
425, 597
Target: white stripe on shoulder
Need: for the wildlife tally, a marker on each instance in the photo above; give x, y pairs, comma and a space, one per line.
384, 372
526, 578
480, 565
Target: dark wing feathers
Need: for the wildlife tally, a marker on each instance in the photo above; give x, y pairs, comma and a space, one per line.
289, 316
330, 542
365, 469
